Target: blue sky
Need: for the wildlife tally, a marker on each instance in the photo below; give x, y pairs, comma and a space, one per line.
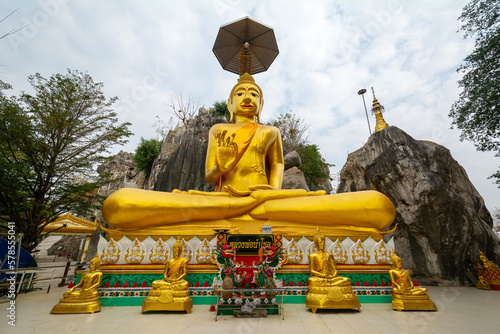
146, 51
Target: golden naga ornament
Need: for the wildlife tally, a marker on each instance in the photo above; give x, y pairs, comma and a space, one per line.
382, 254
326, 289
340, 255
159, 253
111, 253
204, 253
294, 253
360, 255
405, 296
134, 254
83, 297
170, 293
488, 273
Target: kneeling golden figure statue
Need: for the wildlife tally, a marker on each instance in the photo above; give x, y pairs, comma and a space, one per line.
170, 293
83, 297
328, 290
405, 296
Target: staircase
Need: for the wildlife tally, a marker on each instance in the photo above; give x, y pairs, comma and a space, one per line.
51, 267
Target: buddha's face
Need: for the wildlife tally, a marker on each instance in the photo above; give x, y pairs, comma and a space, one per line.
396, 262
176, 251
93, 265
320, 243
246, 100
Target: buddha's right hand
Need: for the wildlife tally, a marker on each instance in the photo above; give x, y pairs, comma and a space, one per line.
226, 152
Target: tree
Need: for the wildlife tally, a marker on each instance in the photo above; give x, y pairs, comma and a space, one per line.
146, 154
476, 110
220, 109
182, 109
315, 168
293, 131
50, 143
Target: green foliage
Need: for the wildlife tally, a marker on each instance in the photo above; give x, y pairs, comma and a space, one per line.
146, 153
476, 111
315, 168
50, 143
220, 109
293, 131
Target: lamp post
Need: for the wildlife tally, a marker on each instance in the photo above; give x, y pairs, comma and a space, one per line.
362, 92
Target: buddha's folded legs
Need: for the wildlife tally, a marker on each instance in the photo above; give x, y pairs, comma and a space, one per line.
162, 284
362, 208
134, 208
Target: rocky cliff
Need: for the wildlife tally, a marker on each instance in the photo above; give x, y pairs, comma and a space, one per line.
442, 220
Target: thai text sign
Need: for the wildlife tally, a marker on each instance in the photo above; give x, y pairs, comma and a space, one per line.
249, 244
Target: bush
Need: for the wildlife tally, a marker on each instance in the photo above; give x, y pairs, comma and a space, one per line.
315, 168
220, 109
145, 154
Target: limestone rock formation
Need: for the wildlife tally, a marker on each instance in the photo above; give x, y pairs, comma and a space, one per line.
122, 166
184, 169
168, 147
293, 178
442, 220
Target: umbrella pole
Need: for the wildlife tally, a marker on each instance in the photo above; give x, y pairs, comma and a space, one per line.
245, 60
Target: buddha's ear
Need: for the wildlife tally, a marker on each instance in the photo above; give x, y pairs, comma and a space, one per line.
230, 108
261, 105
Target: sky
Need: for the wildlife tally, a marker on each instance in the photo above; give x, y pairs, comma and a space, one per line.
145, 52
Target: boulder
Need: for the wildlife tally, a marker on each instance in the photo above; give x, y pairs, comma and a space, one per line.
442, 220
293, 178
292, 159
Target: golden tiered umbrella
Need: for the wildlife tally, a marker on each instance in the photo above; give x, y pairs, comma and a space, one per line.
245, 45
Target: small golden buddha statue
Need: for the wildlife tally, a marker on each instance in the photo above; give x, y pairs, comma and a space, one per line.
83, 297
170, 293
245, 162
326, 289
405, 296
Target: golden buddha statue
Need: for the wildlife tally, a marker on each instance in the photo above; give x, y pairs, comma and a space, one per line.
83, 297
405, 296
170, 293
245, 162
326, 289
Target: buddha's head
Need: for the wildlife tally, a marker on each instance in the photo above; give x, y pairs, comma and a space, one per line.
396, 261
177, 249
246, 98
319, 241
94, 263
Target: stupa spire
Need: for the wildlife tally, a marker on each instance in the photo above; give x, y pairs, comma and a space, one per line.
377, 109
